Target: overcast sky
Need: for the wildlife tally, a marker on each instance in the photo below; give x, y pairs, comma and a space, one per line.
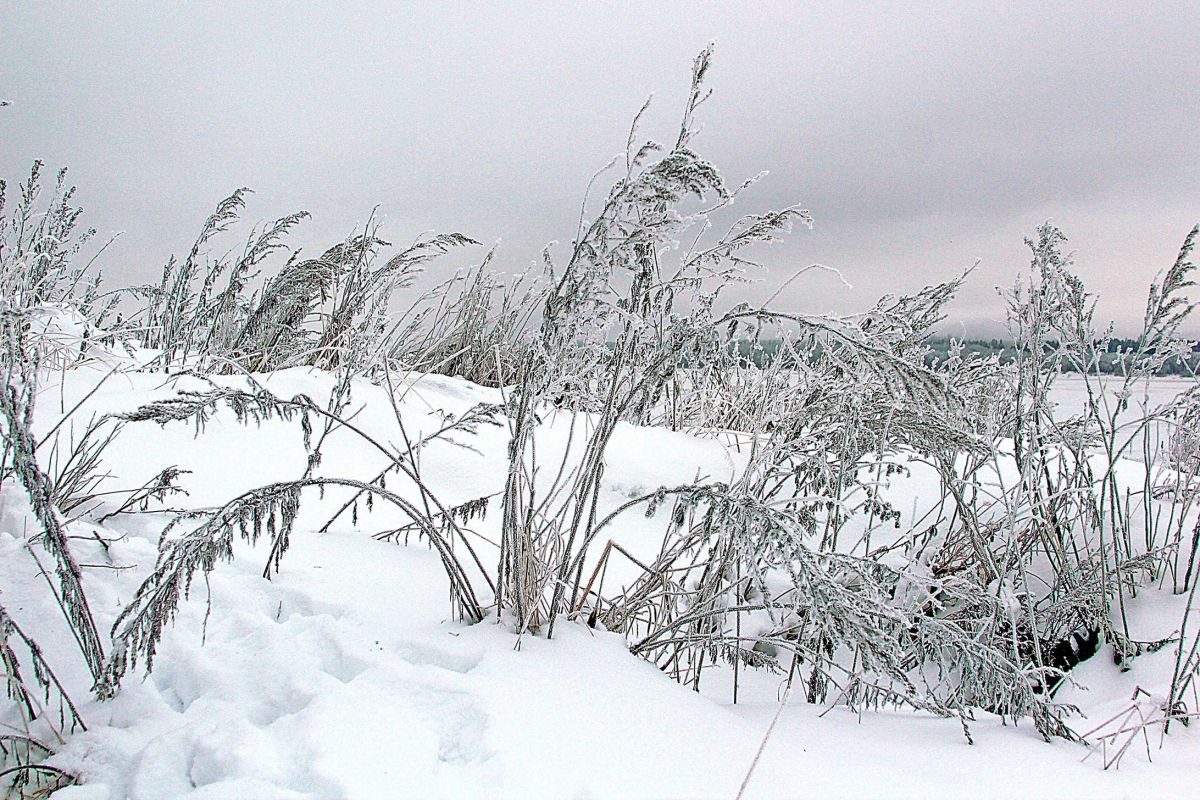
921, 137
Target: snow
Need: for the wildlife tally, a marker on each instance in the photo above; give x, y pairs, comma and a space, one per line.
344, 677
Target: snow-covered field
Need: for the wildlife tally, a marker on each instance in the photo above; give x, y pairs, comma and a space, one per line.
344, 677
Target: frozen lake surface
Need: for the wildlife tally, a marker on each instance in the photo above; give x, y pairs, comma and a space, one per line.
1070, 393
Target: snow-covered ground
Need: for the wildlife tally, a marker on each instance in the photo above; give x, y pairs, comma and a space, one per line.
344, 677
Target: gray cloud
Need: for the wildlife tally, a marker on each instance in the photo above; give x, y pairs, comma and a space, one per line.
919, 138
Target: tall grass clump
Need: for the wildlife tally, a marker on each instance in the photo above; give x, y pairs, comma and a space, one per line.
48, 308
627, 318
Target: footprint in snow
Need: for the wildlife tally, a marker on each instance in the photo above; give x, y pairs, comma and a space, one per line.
425, 656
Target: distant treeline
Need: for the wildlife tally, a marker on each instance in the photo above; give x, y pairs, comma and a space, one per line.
1115, 353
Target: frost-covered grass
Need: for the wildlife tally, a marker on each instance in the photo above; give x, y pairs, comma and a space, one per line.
280, 526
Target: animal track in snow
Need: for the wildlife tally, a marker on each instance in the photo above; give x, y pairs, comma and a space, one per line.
461, 729
422, 655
